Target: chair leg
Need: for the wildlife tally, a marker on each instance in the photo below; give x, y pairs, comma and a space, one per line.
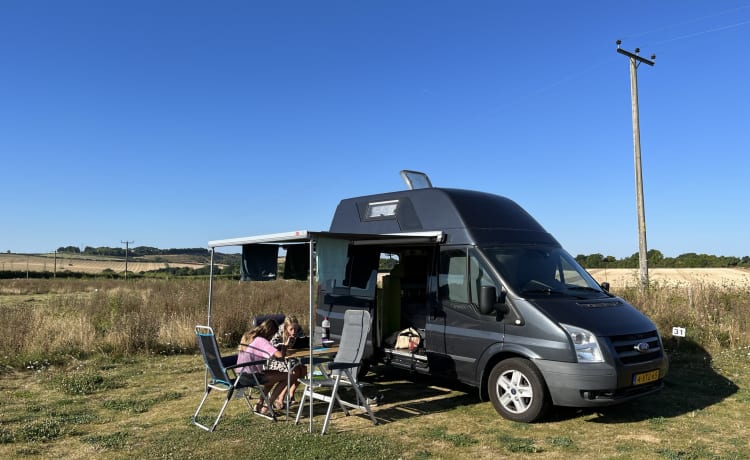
248, 399
305, 392
218, 418
334, 397
362, 401
200, 406
221, 412
271, 414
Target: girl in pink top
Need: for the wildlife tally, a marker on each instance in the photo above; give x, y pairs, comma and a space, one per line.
255, 345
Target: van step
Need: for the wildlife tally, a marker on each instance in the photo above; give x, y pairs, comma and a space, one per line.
405, 359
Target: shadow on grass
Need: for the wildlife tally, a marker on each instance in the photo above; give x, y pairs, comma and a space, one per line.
403, 395
691, 385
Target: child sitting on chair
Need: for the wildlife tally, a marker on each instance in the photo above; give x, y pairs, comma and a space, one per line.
283, 340
255, 345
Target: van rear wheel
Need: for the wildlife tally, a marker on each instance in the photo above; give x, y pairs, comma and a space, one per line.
517, 390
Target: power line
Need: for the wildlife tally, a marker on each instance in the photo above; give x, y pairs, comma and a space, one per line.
693, 21
707, 31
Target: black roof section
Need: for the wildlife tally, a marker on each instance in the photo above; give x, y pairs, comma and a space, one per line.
465, 216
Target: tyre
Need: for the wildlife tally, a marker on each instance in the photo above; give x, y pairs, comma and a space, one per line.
517, 390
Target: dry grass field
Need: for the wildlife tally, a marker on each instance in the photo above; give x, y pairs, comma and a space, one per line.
107, 368
82, 264
674, 277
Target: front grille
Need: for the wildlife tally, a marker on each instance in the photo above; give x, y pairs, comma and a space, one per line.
626, 347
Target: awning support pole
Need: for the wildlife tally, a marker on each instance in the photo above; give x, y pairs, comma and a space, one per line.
311, 319
210, 287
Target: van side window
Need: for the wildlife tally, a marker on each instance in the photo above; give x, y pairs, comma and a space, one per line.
479, 275
452, 276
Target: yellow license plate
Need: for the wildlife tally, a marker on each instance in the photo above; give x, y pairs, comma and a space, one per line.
645, 377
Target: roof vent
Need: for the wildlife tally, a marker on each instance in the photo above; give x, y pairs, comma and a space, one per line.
415, 179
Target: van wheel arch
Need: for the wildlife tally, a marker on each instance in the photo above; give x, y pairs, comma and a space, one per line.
517, 390
487, 368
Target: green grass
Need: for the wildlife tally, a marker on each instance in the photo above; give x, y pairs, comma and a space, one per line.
108, 369
142, 406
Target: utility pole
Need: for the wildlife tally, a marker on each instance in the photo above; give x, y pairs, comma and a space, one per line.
635, 60
126, 243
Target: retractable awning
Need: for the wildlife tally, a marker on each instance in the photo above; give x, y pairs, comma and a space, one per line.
310, 237
303, 236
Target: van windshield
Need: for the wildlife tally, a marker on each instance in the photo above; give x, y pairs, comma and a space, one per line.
532, 271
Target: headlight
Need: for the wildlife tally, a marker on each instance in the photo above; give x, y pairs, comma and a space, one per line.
585, 343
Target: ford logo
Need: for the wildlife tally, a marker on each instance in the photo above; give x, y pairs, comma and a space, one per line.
642, 347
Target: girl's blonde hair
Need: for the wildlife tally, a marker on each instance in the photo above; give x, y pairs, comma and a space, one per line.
266, 329
290, 320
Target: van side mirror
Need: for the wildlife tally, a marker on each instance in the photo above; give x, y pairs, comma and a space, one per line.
489, 301
605, 286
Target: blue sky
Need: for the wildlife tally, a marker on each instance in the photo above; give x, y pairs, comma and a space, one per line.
172, 123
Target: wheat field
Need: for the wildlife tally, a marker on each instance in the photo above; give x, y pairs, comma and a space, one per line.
675, 277
77, 263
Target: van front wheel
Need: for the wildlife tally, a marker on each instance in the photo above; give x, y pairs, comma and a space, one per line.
517, 390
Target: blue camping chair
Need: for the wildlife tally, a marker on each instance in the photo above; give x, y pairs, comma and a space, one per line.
222, 376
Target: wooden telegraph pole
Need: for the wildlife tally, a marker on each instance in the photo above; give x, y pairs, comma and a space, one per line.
126, 243
635, 60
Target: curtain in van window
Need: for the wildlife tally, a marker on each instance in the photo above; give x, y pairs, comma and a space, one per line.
331, 262
363, 260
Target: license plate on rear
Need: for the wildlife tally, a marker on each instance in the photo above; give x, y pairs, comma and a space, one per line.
645, 377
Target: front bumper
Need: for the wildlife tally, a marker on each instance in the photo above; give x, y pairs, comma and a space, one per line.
598, 384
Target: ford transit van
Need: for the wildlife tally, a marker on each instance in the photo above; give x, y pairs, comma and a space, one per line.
485, 296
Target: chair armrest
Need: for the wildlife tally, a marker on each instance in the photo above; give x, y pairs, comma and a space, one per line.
316, 360
334, 366
247, 363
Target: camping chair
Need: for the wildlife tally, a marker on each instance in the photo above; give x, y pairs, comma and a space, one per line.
342, 371
278, 317
223, 377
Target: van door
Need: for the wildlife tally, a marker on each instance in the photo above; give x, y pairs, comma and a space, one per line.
457, 331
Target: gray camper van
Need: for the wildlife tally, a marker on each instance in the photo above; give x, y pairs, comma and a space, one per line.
492, 298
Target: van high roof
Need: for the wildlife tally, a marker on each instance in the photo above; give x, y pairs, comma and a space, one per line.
465, 216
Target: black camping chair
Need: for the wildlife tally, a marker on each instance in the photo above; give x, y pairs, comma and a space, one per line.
278, 317
222, 376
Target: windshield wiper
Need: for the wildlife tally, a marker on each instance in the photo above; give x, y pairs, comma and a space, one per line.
583, 288
542, 291
590, 289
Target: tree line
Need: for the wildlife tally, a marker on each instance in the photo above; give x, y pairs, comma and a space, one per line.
135, 251
202, 255
655, 257
657, 260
